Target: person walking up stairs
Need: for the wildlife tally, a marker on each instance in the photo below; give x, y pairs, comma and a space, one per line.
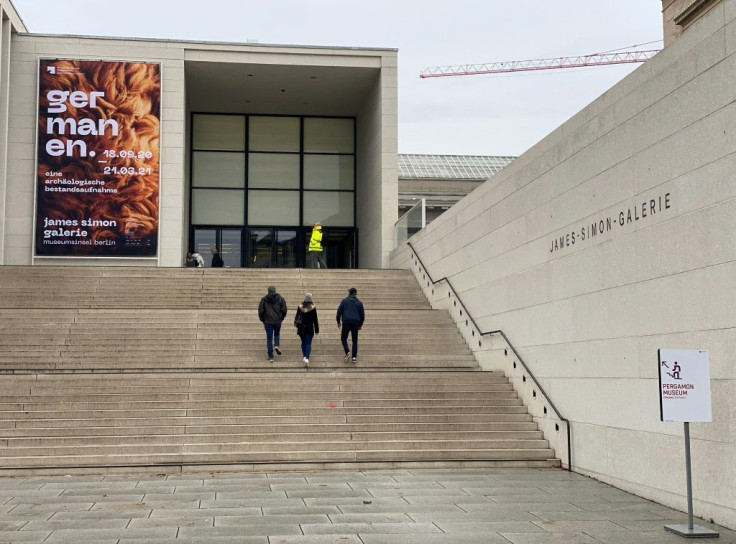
307, 325
352, 315
272, 311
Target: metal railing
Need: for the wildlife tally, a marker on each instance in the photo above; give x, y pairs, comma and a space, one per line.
500, 333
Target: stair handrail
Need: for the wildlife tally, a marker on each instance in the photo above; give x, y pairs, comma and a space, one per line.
513, 349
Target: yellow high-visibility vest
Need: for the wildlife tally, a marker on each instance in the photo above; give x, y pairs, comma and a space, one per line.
315, 242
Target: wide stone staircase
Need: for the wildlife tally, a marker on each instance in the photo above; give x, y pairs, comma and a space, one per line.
113, 367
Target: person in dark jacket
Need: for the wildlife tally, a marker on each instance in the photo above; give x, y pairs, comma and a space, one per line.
308, 325
351, 314
217, 261
271, 312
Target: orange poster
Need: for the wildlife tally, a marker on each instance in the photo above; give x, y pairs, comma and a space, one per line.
97, 188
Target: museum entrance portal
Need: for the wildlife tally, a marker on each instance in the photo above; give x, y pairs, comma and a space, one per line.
275, 247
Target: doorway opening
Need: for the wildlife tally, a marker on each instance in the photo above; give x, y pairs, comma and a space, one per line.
275, 247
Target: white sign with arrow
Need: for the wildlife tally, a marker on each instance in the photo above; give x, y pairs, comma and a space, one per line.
684, 395
684, 385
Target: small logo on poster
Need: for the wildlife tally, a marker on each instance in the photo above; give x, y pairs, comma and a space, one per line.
51, 70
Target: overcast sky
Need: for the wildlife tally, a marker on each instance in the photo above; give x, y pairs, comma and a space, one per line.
482, 115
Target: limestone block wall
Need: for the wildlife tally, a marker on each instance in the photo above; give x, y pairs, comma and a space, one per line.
25, 52
5, 39
613, 237
377, 168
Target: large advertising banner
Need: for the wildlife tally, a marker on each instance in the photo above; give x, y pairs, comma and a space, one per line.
97, 188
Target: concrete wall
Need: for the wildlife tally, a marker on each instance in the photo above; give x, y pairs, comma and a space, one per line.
5, 40
10, 23
368, 179
377, 169
587, 307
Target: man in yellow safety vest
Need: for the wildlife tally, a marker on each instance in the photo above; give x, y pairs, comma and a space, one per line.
316, 254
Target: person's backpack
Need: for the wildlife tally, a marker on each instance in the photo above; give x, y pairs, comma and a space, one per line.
298, 319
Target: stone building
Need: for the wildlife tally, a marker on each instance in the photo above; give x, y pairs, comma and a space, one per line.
442, 180
610, 239
241, 146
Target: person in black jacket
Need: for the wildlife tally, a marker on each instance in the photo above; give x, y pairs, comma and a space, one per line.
217, 261
306, 315
271, 312
352, 315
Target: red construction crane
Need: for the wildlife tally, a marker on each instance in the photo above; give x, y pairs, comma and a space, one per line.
596, 59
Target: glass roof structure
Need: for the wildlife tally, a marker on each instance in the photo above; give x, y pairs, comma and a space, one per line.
451, 167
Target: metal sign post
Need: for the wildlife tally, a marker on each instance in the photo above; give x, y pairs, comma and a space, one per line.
684, 395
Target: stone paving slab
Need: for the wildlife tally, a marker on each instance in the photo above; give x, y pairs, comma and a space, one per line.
316, 539
208, 540
465, 538
547, 538
494, 506
23, 536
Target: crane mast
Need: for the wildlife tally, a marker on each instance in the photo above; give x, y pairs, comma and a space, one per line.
597, 59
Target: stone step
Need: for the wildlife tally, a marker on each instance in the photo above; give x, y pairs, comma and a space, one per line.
507, 429
266, 378
536, 448
228, 382
216, 338
269, 419
500, 439
253, 395
297, 456
438, 404
346, 411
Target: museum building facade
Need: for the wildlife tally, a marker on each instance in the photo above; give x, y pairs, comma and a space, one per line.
135, 151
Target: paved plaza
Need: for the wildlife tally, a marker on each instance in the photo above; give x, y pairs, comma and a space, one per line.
394, 507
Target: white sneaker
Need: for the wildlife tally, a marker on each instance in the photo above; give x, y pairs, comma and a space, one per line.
277, 350
347, 357
306, 362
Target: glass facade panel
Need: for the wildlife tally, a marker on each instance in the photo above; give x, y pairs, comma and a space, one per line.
217, 207
231, 248
285, 248
253, 177
273, 208
204, 240
273, 171
273, 134
329, 172
329, 135
260, 242
212, 169
222, 132
329, 208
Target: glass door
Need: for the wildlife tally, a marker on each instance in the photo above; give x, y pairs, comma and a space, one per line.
204, 240
272, 248
341, 248
260, 248
231, 247
286, 248
229, 242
